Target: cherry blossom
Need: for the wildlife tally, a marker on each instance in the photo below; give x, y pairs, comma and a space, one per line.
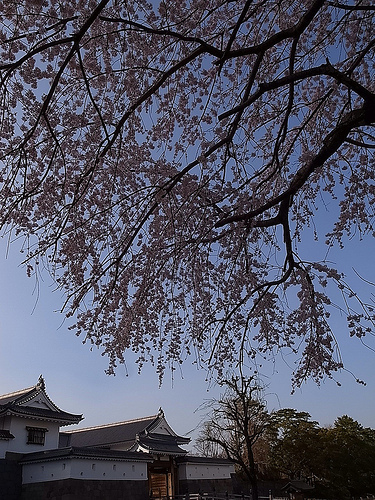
163, 162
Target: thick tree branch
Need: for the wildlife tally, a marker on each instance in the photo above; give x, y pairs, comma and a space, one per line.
323, 70
331, 143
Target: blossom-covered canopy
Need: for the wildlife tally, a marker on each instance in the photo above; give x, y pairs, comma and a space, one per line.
163, 161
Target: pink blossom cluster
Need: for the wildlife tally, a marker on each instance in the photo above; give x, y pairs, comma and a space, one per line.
165, 162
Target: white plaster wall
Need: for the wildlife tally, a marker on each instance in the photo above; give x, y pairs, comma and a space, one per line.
4, 443
19, 444
205, 471
4, 447
83, 468
5, 422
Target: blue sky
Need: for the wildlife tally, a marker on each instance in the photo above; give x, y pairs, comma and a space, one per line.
34, 340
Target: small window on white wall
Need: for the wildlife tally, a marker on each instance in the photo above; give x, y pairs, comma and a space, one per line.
36, 435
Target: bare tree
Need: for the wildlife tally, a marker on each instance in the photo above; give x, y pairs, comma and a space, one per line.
236, 421
164, 162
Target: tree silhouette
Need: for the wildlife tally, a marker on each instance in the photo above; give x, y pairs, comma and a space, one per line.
164, 161
337, 460
295, 444
236, 422
349, 458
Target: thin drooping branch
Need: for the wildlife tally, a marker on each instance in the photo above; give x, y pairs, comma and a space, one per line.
165, 166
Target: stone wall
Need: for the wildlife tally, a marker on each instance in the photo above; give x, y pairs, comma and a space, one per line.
10, 478
73, 489
205, 486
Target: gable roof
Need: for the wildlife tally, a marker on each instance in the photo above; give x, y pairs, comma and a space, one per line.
34, 402
159, 438
158, 444
150, 434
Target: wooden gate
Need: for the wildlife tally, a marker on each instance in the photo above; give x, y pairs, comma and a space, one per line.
158, 483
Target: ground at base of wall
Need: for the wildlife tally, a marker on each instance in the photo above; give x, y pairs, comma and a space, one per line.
10, 479
73, 489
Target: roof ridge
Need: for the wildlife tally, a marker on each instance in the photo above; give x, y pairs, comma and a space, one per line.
113, 424
17, 393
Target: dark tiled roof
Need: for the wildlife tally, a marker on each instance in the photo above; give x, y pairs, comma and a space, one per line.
43, 413
160, 419
106, 435
132, 434
203, 460
160, 443
14, 396
75, 452
15, 403
158, 437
